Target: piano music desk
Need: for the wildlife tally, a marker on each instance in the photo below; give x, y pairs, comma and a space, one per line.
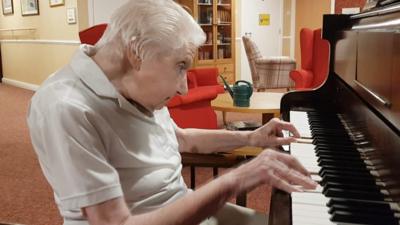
266, 103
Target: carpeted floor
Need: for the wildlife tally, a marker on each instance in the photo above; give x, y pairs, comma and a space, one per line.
25, 196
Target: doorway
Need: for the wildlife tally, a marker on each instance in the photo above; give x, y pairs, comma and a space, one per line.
267, 37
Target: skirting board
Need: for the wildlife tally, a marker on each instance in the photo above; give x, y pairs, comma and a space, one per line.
20, 84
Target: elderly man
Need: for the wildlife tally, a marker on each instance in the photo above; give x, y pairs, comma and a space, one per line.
110, 150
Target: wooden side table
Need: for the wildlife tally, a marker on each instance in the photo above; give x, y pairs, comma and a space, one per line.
266, 103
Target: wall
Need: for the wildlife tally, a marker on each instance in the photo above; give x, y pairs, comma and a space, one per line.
29, 57
100, 11
340, 4
309, 14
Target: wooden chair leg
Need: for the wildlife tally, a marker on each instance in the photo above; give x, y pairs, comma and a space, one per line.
215, 172
224, 118
192, 177
241, 199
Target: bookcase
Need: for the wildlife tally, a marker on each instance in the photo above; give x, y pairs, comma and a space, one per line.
216, 18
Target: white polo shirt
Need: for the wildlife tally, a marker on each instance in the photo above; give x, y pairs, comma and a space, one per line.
93, 145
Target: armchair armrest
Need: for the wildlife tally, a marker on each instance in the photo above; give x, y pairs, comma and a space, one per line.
194, 95
274, 60
302, 78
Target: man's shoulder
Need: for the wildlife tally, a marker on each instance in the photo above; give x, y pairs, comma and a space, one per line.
61, 87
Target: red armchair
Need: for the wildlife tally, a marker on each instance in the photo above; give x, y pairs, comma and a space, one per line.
194, 109
314, 60
92, 34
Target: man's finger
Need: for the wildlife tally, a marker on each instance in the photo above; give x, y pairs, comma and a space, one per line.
289, 127
293, 163
284, 140
279, 183
294, 177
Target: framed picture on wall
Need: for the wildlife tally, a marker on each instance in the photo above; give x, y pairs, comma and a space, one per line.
56, 2
29, 7
8, 7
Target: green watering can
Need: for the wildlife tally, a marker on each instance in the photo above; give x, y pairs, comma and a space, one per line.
240, 92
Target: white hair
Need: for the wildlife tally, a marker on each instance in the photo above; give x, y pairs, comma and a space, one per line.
154, 27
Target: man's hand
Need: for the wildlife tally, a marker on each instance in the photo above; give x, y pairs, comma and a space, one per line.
271, 134
277, 169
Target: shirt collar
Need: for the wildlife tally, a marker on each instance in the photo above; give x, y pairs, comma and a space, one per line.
91, 74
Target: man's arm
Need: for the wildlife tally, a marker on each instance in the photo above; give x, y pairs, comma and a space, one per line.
190, 209
208, 141
270, 167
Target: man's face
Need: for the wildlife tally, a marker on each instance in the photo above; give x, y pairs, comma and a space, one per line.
160, 79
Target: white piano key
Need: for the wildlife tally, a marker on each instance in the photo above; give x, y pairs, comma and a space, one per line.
300, 121
309, 198
305, 153
304, 220
307, 208
310, 208
303, 146
315, 213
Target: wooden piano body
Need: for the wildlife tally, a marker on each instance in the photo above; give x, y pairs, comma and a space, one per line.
363, 85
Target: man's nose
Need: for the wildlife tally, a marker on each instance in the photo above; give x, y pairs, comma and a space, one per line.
182, 88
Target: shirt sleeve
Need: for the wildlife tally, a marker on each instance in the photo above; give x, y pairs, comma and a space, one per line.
72, 155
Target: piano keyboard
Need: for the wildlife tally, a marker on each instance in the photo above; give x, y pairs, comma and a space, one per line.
349, 193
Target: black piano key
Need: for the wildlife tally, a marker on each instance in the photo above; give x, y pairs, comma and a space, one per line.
333, 159
339, 157
354, 187
343, 163
361, 177
336, 149
377, 210
355, 217
357, 203
330, 140
349, 180
334, 146
343, 167
358, 194
348, 173
351, 153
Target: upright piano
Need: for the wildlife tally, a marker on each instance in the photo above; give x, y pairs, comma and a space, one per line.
352, 124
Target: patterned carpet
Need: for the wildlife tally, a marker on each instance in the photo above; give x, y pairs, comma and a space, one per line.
25, 196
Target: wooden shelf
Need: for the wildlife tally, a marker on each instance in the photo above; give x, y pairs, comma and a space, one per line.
217, 19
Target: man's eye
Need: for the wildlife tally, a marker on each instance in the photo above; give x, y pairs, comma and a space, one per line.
182, 68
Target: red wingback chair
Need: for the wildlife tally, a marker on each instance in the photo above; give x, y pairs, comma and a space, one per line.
314, 60
188, 111
92, 34
194, 109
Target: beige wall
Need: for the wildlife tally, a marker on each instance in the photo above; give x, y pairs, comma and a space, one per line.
31, 56
309, 14
34, 66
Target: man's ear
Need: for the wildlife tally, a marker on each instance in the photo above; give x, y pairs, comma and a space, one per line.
134, 60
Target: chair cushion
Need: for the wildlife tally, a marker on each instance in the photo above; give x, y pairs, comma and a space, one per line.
205, 93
